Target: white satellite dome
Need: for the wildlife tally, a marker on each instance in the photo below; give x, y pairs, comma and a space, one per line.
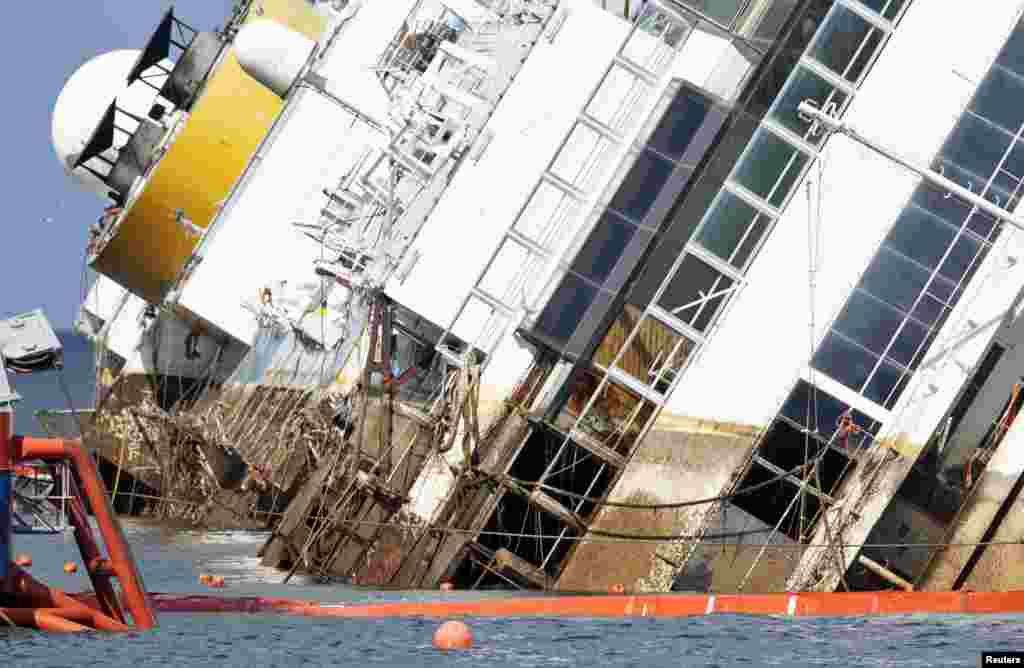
272, 54
85, 98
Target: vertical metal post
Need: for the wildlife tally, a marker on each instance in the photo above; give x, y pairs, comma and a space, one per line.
6, 476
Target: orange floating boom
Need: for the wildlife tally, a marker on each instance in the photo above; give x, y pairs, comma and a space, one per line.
812, 604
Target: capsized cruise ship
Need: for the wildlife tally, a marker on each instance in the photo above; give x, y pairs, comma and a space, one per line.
716, 295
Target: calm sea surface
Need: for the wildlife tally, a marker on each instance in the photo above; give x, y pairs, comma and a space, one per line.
171, 561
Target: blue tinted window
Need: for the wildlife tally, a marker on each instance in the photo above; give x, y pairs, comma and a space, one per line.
920, 236
883, 383
839, 43
1012, 55
961, 257
894, 279
770, 167
805, 85
998, 99
930, 311
726, 227
907, 345
952, 209
566, 309
942, 289
844, 361
680, 124
604, 247
641, 186
814, 409
976, 147
868, 321
889, 9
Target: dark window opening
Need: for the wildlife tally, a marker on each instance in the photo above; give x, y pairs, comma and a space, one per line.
771, 502
565, 310
527, 532
787, 447
974, 385
540, 447
806, 400
578, 471
642, 185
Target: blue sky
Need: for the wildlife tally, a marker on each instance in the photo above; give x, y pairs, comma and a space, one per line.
46, 217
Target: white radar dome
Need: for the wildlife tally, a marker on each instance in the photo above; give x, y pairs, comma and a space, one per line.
272, 54
85, 98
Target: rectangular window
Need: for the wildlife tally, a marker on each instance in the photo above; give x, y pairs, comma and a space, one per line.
953, 210
931, 311
584, 159
733, 229
921, 236
997, 99
604, 246
721, 11
577, 470
771, 502
658, 35
805, 85
1012, 55
770, 167
887, 9
960, 259
868, 321
773, 77
565, 310
681, 124
911, 344
618, 101
614, 421
478, 324
813, 408
787, 446
886, 384
846, 43
550, 217
894, 279
695, 292
642, 185
655, 355
976, 147
844, 361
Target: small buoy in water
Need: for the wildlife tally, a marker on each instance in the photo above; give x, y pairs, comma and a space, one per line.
447, 586
70, 567
205, 579
23, 560
618, 588
453, 635
217, 582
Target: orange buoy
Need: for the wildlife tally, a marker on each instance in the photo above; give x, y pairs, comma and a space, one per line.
217, 581
447, 586
453, 635
617, 589
23, 560
70, 567
205, 579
